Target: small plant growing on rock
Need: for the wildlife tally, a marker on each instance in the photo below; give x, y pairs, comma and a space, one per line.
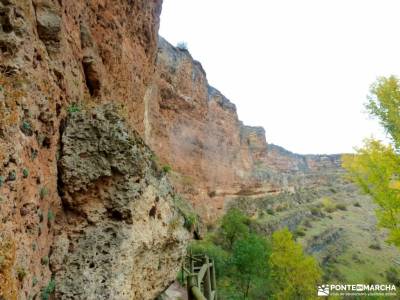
21, 273
357, 204
1, 180
50, 216
12, 176
45, 260
34, 281
25, 173
190, 221
26, 128
73, 108
48, 290
43, 192
167, 169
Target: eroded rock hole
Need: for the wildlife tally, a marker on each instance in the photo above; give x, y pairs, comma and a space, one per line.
91, 77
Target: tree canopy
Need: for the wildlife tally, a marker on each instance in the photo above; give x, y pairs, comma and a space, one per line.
376, 167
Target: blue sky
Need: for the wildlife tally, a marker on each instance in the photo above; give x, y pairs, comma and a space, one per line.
301, 69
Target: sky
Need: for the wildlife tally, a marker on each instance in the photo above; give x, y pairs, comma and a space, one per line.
301, 69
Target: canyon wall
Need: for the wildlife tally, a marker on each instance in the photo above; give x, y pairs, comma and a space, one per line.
195, 129
87, 92
80, 217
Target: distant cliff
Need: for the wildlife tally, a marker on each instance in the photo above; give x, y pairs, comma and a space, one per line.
194, 128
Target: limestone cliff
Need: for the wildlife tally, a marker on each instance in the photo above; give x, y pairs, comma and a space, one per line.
83, 213
194, 128
87, 88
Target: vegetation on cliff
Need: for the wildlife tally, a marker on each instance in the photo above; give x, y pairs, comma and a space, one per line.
375, 167
252, 266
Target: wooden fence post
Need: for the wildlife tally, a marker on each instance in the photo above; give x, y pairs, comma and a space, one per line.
207, 279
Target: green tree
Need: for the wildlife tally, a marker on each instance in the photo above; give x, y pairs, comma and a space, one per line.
376, 167
294, 274
249, 260
234, 226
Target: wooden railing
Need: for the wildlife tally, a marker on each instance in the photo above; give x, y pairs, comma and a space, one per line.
198, 271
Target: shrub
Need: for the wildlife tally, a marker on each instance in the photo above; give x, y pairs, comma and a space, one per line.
375, 246
1, 180
21, 273
341, 206
299, 232
48, 290
25, 173
357, 204
12, 175
43, 192
44, 260
190, 221
73, 108
166, 169
34, 281
316, 211
270, 211
50, 216
328, 205
393, 276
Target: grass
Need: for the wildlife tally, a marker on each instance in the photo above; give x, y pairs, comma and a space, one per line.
73, 108
43, 192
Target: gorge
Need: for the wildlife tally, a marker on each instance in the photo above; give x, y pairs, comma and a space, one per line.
104, 126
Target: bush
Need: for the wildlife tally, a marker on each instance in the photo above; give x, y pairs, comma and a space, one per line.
299, 232
50, 216
341, 206
393, 276
316, 211
190, 221
25, 173
357, 204
43, 192
45, 260
21, 273
166, 169
73, 108
328, 205
270, 211
375, 246
48, 290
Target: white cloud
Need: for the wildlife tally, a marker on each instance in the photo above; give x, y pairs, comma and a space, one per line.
302, 69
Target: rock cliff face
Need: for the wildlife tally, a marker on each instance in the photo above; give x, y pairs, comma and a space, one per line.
84, 211
195, 129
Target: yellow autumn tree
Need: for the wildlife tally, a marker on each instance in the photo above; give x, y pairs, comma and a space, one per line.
376, 167
294, 274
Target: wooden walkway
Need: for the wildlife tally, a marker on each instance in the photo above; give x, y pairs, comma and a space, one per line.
198, 271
